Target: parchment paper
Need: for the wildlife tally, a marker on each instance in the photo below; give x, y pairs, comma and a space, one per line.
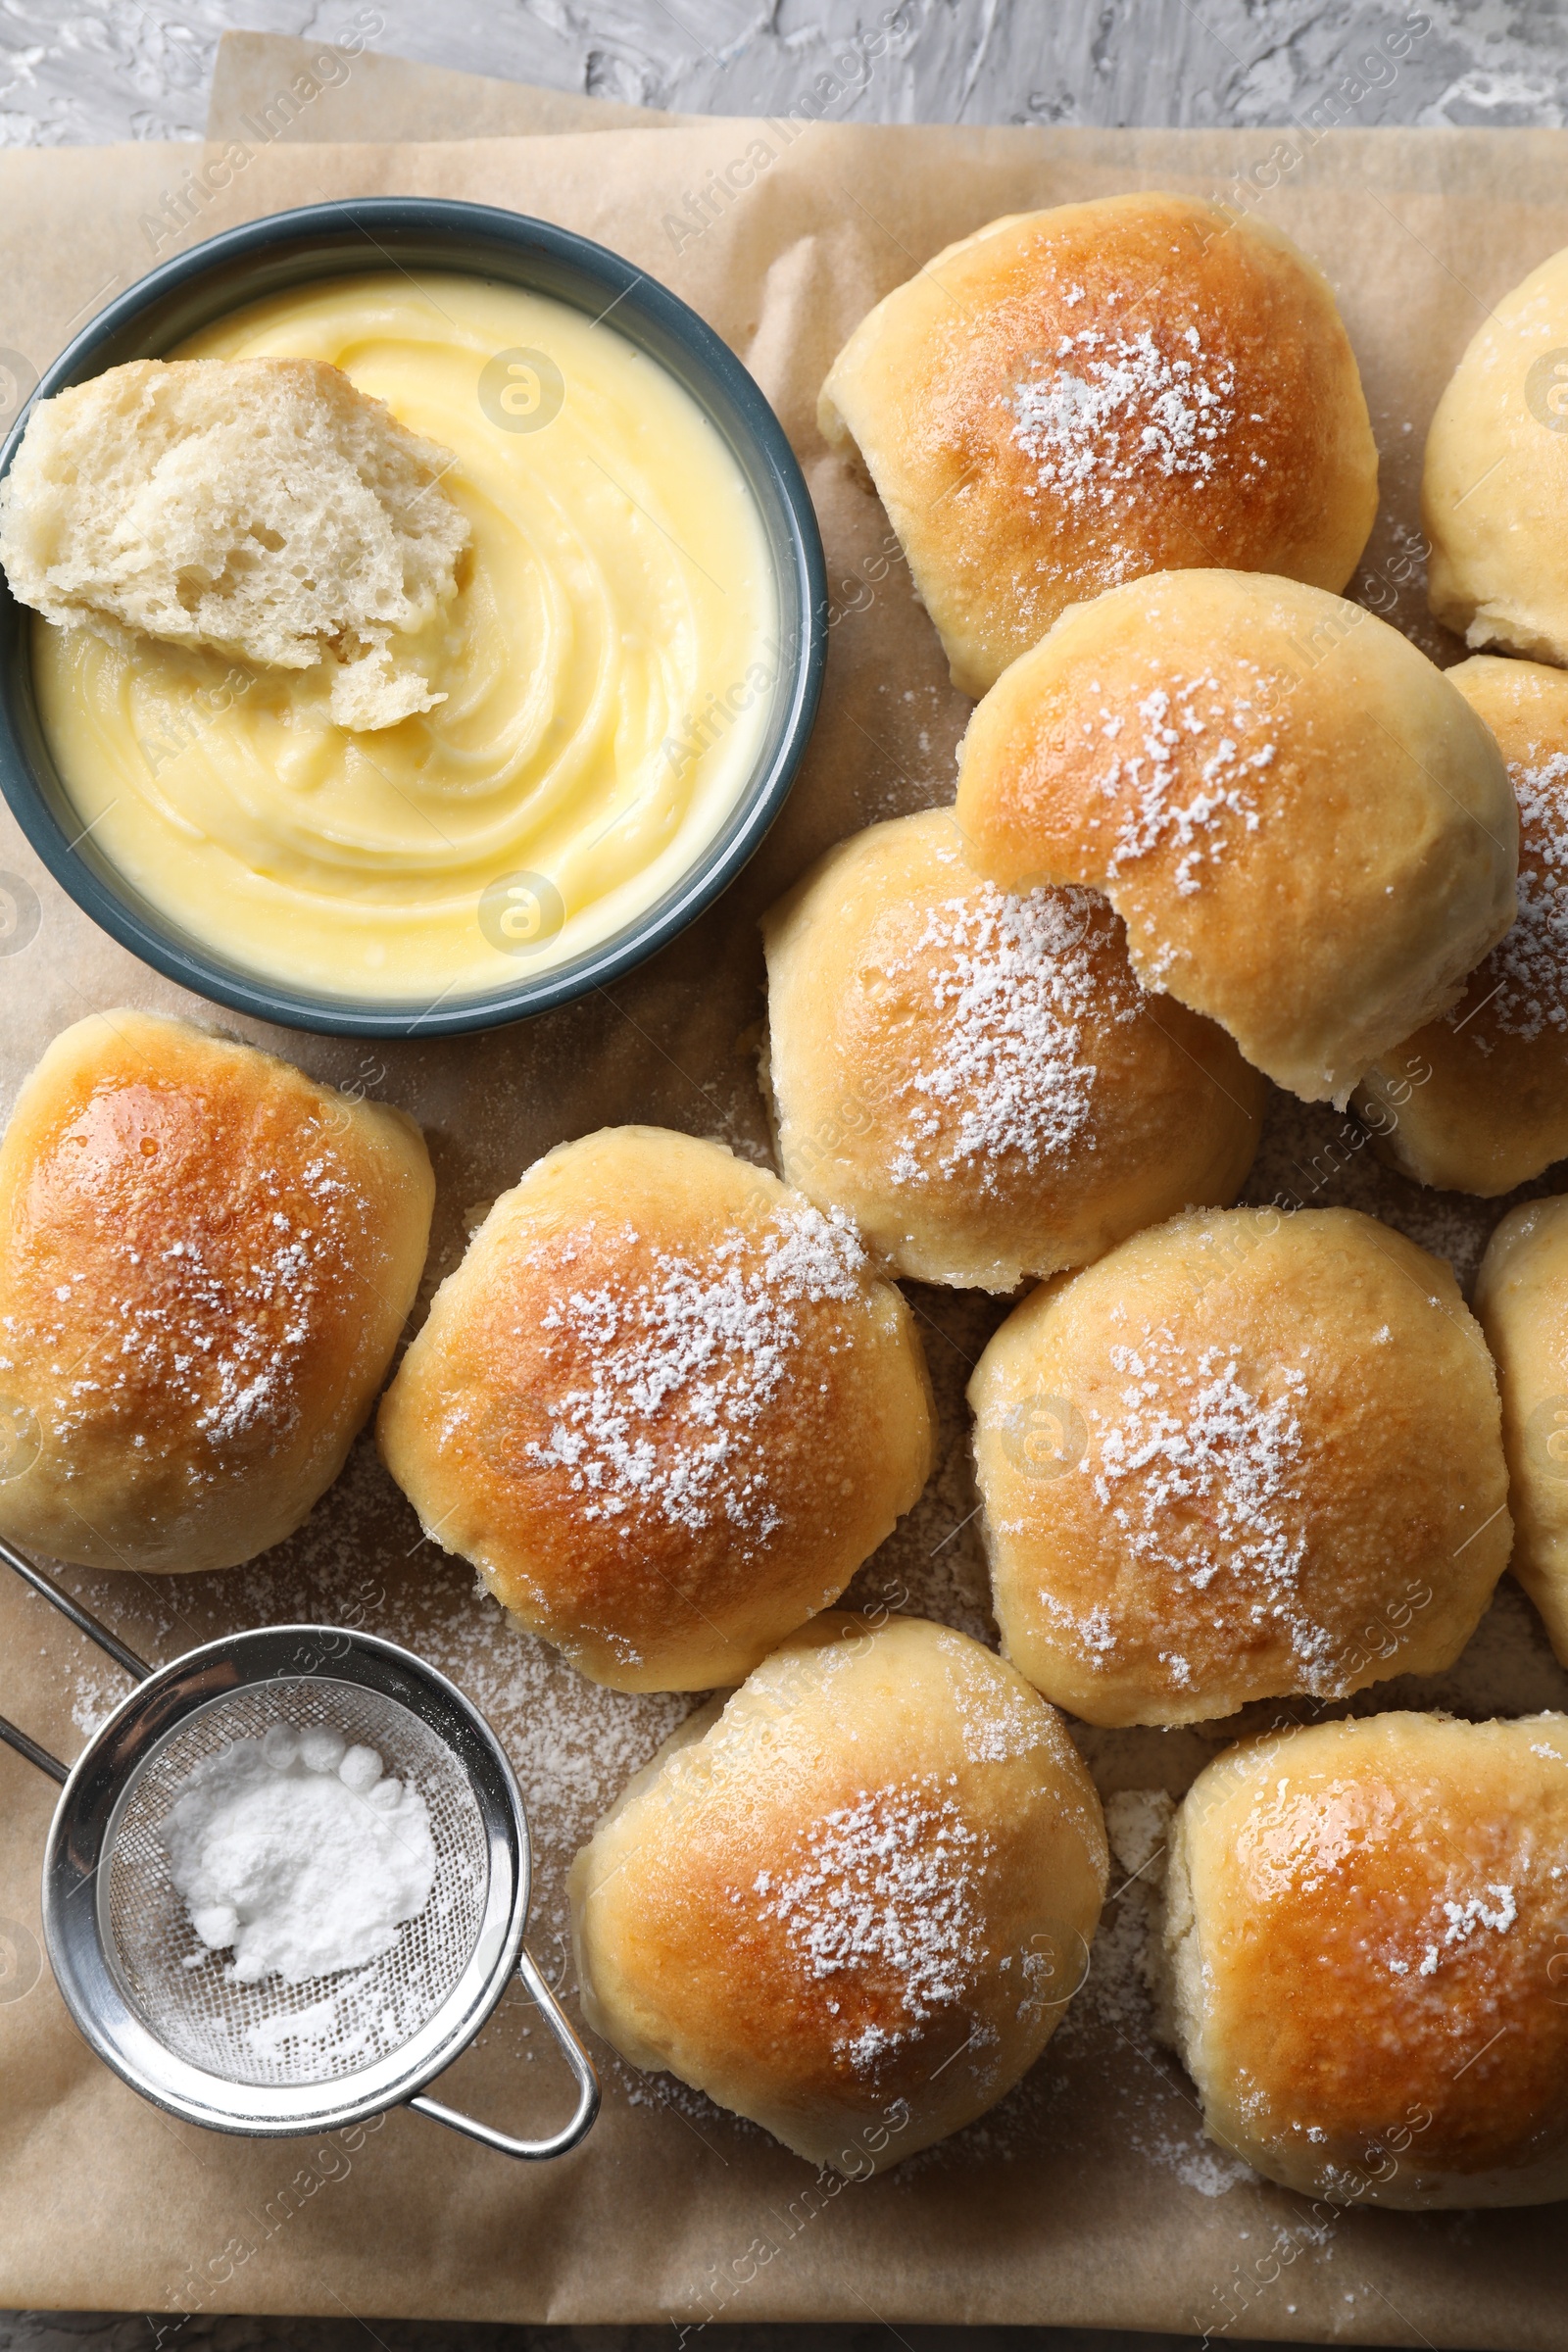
1090, 2196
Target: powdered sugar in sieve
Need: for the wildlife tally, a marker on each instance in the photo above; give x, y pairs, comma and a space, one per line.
271, 2032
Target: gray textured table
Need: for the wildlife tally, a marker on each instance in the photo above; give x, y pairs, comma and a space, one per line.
98, 70
92, 70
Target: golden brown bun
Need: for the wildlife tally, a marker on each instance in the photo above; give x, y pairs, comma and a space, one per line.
980, 1081
1364, 1937
1495, 489
1309, 833
1487, 1108
206, 1260
663, 1405
1070, 399
1522, 1300
1241, 1455
852, 1904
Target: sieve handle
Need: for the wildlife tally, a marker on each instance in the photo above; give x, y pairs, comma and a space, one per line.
34, 1754
82, 1619
576, 2058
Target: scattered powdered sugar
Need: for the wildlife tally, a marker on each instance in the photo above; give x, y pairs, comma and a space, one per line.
1209, 2169
318, 2028
1529, 967
220, 1322
96, 1692
1110, 2030
358, 1560
1137, 1825
1464, 1918
1002, 1725
1219, 1457
1188, 772
1013, 982
1461, 1921
1114, 410
362, 2016
889, 1897
697, 1349
296, 1851
1201, 1478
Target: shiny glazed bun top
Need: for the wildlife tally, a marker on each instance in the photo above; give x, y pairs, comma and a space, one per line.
1069, 399
1365, 1943
206, 1260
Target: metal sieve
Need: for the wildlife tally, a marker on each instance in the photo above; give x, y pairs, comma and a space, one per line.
270, 2059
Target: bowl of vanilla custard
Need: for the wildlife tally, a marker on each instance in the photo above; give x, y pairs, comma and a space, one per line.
631, 664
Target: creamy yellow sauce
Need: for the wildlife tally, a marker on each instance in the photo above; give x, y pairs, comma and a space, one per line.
609, 663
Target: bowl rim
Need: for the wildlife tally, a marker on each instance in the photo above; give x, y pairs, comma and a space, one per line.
745, 419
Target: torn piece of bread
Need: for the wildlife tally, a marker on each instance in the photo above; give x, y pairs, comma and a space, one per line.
264, 508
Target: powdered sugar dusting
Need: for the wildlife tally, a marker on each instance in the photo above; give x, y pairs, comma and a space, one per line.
1461, 1921
1003, 1725
1189, 773
1111, 409
1013, 983
888, 1898
682, 1361
1529, 968
1111, 2031
1219, 1456
1138, 1823
218, 1324
1200, 1475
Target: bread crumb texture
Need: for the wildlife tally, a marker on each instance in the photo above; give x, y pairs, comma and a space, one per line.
265, 508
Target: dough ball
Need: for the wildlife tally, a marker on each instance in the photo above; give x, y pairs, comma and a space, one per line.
1522, 1300
852, 1900
1240, 1455
1366, 1953
1494, 488
665, 1406
1478, 1101
1307, 832
1073, 398
207, 1260
980, 1081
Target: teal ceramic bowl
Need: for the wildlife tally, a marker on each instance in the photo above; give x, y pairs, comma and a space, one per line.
292, 249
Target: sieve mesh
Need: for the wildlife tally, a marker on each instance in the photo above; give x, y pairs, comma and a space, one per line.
271, 2032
